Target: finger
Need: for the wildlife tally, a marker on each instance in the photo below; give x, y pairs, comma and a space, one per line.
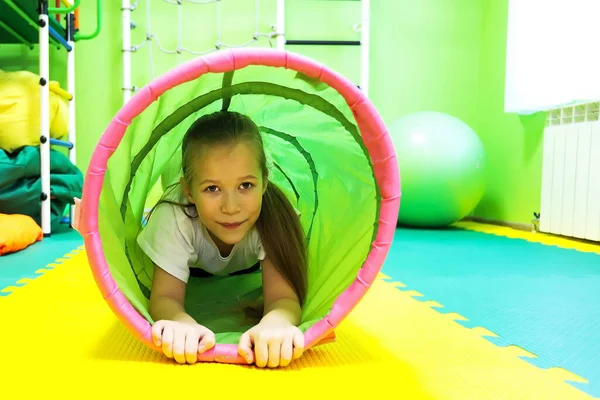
274, 352
245, 348
261, 352
287, 348
298, 344
207, 341
191, 346
157, 331
179, 346
167, 341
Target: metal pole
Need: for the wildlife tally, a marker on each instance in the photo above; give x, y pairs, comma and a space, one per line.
126, 39
365, 43
280, 21
44, 115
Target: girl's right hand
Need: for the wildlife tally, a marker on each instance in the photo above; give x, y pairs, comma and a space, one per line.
182, 341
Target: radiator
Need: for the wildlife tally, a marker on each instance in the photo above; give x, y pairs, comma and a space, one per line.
570, 194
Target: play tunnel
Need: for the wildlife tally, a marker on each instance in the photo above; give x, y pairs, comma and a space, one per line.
327, 148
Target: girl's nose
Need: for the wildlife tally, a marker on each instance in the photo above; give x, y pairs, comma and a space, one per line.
230, 204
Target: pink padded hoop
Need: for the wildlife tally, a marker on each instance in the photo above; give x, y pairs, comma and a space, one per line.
376, 140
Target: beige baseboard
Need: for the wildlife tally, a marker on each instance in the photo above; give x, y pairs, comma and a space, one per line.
527, 228
515, 225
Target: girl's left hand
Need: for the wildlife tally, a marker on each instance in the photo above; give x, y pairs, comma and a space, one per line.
275, 344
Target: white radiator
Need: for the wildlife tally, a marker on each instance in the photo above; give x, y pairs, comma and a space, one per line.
570, 198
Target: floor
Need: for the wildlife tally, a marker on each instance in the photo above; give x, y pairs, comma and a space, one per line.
474, 311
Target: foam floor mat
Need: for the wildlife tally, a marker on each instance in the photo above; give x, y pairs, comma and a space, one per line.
542, 297
60, 339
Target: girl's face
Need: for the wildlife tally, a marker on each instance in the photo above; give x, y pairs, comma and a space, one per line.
227, 189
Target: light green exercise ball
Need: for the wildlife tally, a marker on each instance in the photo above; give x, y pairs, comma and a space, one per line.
442, 165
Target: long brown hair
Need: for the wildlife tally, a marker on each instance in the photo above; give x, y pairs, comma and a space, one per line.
278, 225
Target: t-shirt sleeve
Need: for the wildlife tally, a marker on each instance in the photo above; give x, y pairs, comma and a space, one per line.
257, 245
168, 240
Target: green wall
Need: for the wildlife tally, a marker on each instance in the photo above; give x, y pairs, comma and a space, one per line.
17, 58
425, 57
443, 55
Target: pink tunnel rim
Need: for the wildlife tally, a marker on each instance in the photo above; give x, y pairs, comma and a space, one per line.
375, 137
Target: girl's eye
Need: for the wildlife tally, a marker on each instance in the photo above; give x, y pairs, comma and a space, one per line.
211, 189
246, 185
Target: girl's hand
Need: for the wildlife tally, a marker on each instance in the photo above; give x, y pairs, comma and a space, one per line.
275, 344
182, 341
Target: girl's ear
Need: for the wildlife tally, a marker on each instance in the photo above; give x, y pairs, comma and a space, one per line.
186, 190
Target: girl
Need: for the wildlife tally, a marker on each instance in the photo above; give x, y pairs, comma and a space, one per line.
227, 217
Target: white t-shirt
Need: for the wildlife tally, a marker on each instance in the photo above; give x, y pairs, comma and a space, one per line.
175, 243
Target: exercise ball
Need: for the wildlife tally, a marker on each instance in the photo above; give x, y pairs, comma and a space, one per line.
442, 164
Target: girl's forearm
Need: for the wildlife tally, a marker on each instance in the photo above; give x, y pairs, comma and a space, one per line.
167, 308
288, 310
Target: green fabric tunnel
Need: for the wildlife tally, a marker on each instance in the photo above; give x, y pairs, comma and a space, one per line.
347, 193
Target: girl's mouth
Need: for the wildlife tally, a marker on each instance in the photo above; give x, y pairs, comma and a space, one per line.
233, 225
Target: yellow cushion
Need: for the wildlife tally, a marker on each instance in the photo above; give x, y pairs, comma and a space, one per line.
20, 110
17, 232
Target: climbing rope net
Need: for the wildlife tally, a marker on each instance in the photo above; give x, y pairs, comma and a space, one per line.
151, 38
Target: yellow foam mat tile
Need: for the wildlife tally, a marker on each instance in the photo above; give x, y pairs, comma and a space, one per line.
536, 237
59, 339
